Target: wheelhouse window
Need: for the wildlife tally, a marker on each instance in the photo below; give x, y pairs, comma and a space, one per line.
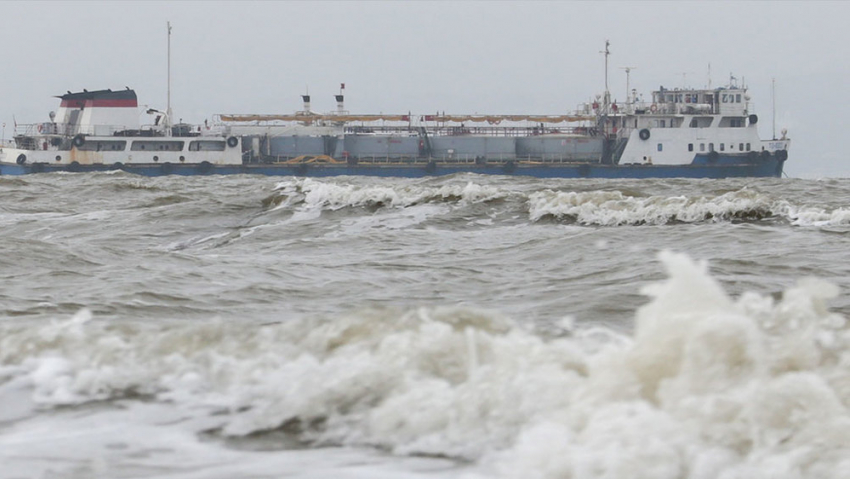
107, 145
701, 122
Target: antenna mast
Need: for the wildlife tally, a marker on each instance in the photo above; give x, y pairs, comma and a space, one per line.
607, 93
168, 104
773, 95
629, 98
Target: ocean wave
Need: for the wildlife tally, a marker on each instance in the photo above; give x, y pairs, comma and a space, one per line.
818, 216
614, 208
705, 386
603, 207
333, 196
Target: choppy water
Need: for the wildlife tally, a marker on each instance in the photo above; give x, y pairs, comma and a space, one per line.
467, 326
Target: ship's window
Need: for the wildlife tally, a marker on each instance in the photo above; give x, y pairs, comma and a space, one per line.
738, 98
206, 145
741, 146
748, 147
690, 147
693, 123
635, 122
711, 147
663, 123
142, 145
102, 145
722, 147
702, 147
660, 147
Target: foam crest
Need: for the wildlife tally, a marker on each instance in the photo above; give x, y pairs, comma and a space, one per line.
811, 216
596, 207
707, 386
710, 388
333, 196
613, 208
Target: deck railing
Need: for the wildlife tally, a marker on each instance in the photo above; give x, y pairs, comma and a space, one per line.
490, 131
62, 129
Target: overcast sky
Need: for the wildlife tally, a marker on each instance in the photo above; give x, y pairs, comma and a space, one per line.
457, 57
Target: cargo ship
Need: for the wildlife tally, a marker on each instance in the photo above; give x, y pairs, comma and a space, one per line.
677, 132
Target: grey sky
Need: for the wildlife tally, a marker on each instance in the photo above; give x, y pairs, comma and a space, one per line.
458, 57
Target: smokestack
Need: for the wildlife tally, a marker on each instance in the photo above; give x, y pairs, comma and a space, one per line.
306, 99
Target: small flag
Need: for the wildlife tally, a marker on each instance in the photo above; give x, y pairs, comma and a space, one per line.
342, 86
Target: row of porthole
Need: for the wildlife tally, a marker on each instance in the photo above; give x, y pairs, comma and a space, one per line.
182, 158
155, 158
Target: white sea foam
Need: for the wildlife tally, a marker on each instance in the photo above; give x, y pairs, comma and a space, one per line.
599, 207
614, 208
707, 386
819, 216
333, 196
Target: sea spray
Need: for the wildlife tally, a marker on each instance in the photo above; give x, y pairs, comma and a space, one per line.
707, 386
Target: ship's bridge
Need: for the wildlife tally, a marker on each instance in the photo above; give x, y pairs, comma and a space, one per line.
727, 101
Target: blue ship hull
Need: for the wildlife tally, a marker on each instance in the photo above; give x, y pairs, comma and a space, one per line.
699, 169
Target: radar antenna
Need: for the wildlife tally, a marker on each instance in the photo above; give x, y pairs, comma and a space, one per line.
685, 79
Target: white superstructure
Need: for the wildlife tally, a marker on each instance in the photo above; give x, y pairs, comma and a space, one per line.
682, 126
102, 127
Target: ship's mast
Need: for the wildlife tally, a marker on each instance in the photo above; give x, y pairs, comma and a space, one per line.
168, 103
606, 105
629, 98
607, 99
773, 95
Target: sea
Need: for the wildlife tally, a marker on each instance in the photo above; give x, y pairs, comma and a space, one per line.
465, 326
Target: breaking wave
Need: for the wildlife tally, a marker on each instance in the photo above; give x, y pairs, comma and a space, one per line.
613, 208
591, 208
332, 196
706, 386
